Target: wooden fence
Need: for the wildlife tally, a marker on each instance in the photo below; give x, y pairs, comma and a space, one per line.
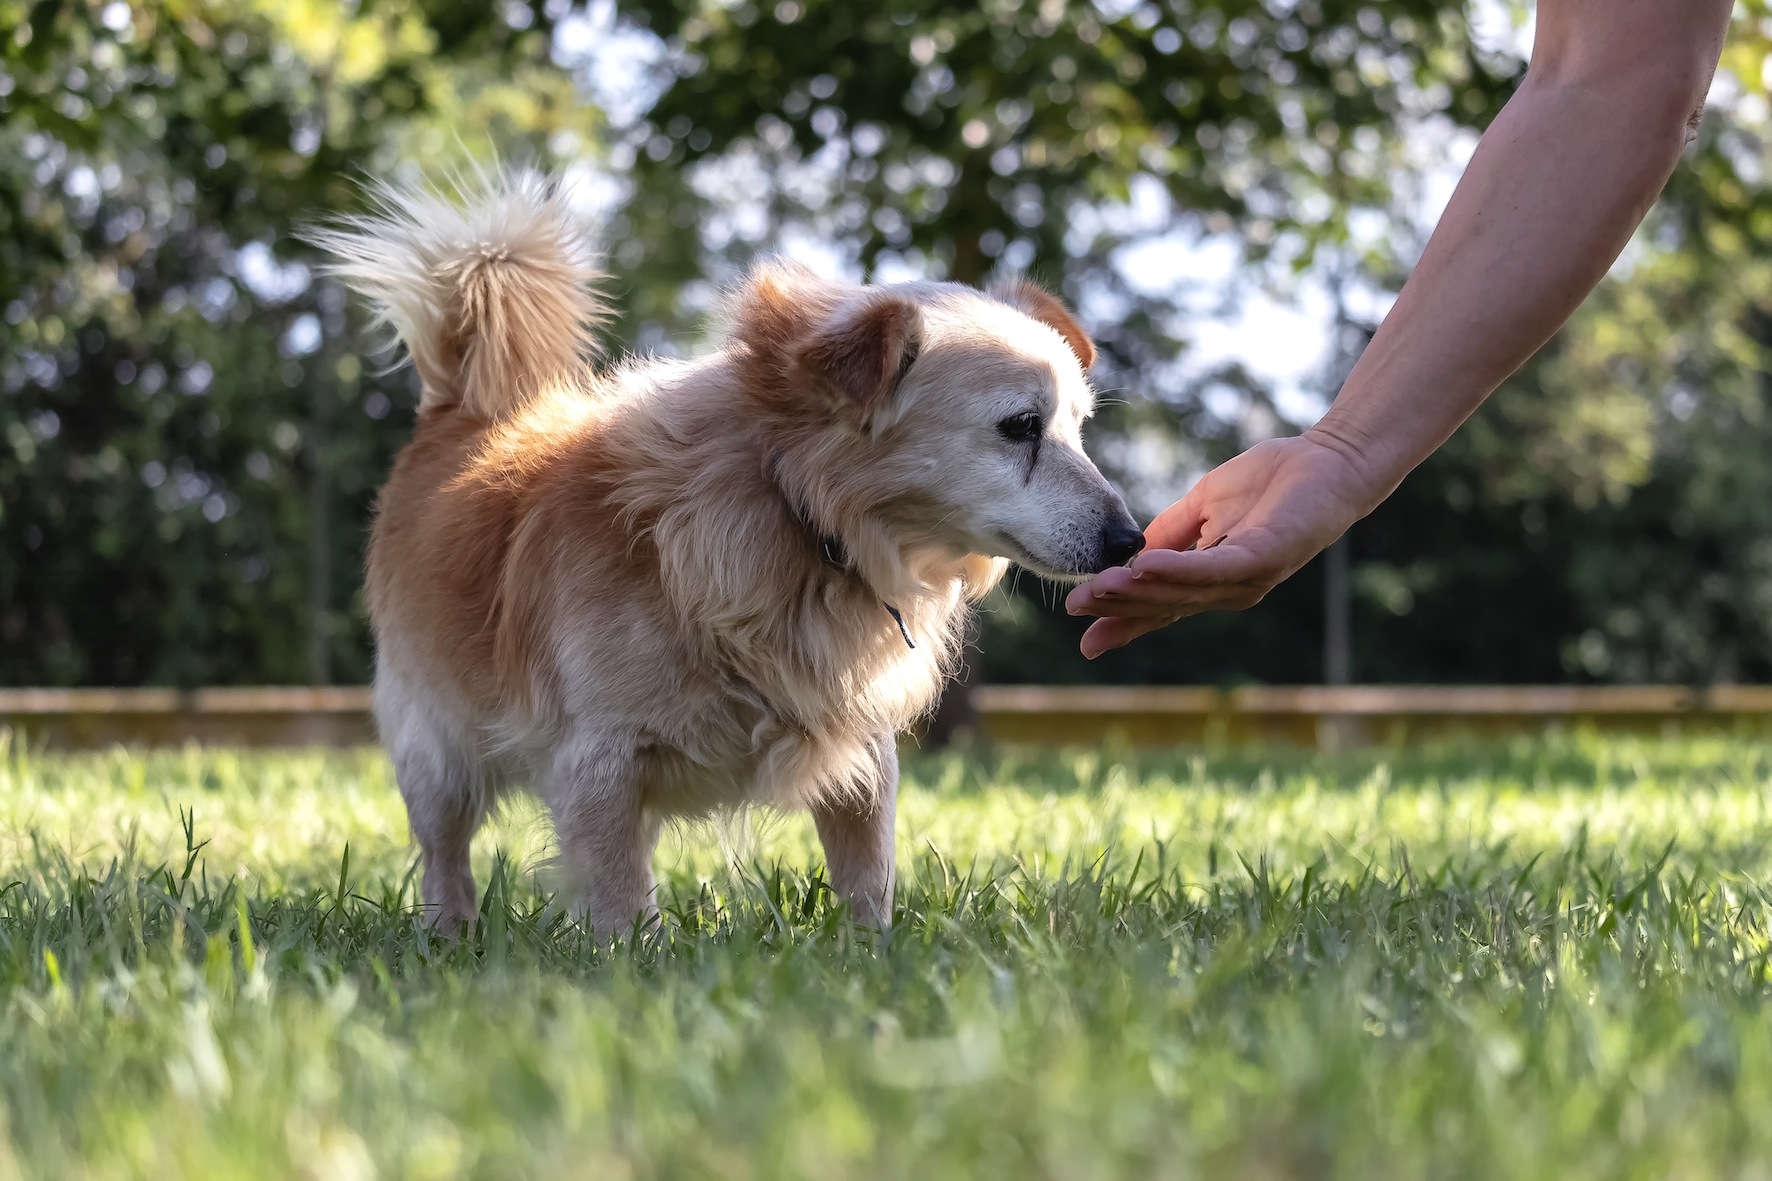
1349, 715
301, 716
1308, 715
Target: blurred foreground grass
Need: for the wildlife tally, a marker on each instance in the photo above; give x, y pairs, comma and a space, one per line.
1547, 958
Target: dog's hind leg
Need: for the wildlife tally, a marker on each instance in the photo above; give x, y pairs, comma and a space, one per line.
444, 805
606, 836
856, 831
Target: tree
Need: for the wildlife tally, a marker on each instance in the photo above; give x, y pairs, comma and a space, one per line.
191, 436
192, 421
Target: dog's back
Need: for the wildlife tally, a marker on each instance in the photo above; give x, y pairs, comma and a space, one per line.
466, 542
493, 300
664, 587
516, 584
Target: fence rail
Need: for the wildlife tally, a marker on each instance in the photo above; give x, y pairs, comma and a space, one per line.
1344, 715
269, 716
1305, 714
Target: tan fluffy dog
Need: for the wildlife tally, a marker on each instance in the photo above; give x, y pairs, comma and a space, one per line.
660, 588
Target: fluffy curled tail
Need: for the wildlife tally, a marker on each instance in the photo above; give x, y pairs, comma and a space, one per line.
488, 287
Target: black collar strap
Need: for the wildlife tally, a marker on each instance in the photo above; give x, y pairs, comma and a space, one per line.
831, 548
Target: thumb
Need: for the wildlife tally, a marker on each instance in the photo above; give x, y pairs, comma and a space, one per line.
1176, 527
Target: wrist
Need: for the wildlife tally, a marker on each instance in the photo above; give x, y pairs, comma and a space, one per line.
1374, 469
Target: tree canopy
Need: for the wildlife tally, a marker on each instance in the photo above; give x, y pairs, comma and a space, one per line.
192, 421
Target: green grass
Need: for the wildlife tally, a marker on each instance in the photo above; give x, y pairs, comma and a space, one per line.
1543, 959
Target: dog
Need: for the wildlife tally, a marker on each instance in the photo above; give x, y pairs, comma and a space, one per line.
656, 588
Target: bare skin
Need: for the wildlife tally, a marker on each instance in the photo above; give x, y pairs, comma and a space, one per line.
1554, 191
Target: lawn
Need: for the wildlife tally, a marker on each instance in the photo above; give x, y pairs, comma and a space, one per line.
1538, 959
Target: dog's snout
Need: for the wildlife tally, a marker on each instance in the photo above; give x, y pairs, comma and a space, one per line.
1120, 543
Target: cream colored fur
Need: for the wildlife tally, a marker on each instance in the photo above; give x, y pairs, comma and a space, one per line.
610, 585
491, 296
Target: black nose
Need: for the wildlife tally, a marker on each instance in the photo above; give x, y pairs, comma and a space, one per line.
1120, 543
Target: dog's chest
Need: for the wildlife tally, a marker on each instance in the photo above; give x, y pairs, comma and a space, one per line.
784, 741
773, 763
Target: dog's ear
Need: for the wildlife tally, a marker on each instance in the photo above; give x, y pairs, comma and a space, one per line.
866, 347
1027, 296
775, 307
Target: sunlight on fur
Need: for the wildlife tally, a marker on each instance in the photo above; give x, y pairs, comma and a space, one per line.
665, 588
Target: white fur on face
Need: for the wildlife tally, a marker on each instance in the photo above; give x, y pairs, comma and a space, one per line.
1041, 503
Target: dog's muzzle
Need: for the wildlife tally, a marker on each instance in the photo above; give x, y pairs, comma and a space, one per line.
1120, 542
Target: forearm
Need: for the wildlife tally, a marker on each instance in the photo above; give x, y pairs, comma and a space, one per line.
1556, 188
1553, 193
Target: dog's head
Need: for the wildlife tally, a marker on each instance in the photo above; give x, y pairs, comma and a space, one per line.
950, 416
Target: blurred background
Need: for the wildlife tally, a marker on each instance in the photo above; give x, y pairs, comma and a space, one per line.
193, 423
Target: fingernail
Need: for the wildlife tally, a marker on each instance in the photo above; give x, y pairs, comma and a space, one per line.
1106, 594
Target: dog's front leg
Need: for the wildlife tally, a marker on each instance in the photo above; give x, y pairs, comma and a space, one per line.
443, 806
606, 837
856, 831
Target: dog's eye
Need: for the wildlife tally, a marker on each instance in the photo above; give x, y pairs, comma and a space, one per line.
1019, 428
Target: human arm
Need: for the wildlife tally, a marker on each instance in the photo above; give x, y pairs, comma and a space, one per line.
1553, 192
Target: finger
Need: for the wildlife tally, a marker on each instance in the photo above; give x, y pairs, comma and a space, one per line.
1178, 526
1127, 609
1114, 580
1174, 606
1147, 590
1105, 596
1215, 566
1122, 586
1106, 634
1077, 602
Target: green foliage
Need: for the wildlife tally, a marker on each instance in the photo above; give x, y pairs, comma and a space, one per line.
969, 143
189, 438
1608, 516
964, 135
1541, 959
1604, 517
192, 420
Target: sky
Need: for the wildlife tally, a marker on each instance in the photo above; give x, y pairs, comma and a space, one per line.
1278, 333
1284, 336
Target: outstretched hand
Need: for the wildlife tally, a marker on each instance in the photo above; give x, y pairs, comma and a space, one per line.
1250, 523
1555, 189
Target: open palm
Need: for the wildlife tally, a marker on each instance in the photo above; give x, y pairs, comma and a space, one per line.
1246, 526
